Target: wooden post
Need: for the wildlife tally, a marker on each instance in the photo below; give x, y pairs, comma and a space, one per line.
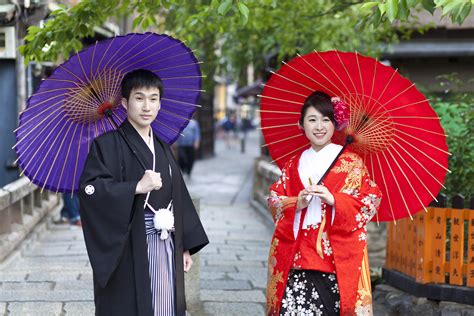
470, 246
456, 237
395, 246
399, 242
389, 252
424, 247
439, 243
411, 247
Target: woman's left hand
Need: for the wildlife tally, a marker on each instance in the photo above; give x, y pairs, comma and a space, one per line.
187, 261
323, 193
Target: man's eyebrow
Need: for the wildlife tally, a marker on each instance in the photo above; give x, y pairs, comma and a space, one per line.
141, 93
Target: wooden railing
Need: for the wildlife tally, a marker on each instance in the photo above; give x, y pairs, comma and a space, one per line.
436, 247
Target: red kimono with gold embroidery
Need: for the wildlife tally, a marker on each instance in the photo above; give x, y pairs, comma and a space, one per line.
343, 244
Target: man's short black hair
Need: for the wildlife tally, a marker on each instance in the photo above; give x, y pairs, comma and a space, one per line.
140, 78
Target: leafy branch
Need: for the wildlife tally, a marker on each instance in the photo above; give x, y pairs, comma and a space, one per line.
376, 11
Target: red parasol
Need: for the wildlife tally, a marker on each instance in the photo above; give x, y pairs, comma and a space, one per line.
395, 130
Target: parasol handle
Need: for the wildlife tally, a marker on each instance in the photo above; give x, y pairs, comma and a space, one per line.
349, 140
108, 113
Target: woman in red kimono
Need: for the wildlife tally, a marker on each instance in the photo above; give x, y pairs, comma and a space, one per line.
318, 262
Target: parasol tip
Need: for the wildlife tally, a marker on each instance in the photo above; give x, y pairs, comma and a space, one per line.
349, 139
105, 108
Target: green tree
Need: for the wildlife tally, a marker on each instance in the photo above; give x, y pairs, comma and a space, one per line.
377, 11
231, 34
456, 111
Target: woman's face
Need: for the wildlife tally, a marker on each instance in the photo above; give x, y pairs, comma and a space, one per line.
317, 128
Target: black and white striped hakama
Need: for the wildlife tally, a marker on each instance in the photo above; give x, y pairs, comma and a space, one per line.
162, 270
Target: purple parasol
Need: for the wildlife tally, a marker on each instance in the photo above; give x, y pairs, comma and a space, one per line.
66, 113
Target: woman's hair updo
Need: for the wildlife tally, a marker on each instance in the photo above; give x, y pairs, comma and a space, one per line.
322, 103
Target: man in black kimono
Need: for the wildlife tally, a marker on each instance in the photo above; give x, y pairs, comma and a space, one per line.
132, 266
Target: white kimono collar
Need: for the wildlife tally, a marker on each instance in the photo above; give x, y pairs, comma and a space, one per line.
313, 165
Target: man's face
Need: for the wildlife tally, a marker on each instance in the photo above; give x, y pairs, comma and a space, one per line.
142, 106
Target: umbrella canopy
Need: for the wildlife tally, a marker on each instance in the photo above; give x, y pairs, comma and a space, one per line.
67, 112
395, 130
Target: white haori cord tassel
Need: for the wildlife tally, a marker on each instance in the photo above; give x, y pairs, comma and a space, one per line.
163, 220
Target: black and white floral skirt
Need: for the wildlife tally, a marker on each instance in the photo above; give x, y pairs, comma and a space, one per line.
310, 292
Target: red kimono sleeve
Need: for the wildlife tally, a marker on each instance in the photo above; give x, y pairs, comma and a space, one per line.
357, 202
279, 202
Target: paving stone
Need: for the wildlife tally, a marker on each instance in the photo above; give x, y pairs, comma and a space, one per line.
380, 310
259, 270
213, 262
254, 256
205, 276
76, 285
13, 276
259, 248
225, 285
56, 251
87, 276
46, 296
56, 276
233, 296
217, 269
468, 311
21, 286
79, 308
246, 242
42, 265
256, 278
233, 309
217, 257
35, 308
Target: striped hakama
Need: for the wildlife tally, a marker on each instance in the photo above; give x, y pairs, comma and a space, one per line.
162, 271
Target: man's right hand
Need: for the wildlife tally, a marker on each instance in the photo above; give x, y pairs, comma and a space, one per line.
150, 181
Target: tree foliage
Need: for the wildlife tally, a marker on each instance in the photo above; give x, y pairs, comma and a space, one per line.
283, 27
230, 34
457, 118
377, 11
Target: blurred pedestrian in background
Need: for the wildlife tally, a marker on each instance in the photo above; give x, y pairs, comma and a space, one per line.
70, 210
188, 144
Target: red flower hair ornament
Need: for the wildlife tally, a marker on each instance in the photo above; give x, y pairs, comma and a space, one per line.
341, 113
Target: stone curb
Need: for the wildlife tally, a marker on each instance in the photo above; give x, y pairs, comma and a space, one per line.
27, 235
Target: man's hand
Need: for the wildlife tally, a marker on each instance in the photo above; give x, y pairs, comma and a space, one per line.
188, 262
150, 181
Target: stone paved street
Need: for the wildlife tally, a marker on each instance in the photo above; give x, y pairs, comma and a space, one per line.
50, 274
233, 266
